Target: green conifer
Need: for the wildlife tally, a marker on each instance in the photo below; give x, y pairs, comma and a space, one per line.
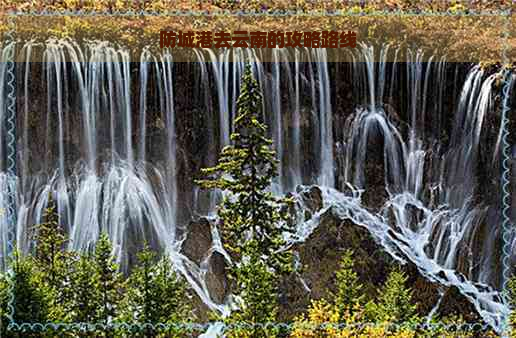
252, 219
84, 299
511, 286
349, 289
50, 241
155, 294
108, 282
53, 262
30, 298
4, 299
395, 301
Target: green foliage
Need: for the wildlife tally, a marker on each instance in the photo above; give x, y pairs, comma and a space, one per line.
4, 300
30, 295
84, 299
52, 284
50, 239
252, 218
107, 279
349, 288
53, 263
258, 300
394, 304
155, 294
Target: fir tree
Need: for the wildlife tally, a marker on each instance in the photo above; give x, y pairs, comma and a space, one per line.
107, 280
84, 299
259, 305
395, 301
252, 218
50, 239
30, 300
155, 294
4, 299
349, 288
53, 262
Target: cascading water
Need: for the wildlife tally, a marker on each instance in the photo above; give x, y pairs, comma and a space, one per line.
8, 183
115, 155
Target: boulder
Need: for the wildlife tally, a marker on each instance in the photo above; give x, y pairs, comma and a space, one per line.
198, 240
312, 199
197, 247
427, 295
216, 278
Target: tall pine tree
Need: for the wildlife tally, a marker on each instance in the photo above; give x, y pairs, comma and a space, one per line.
511, 295
50, 241
97, 287
252, 219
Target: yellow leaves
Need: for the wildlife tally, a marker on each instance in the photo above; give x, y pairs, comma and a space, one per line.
71, 3
463, 38
457, 8
322, 311
355, 9
323, 320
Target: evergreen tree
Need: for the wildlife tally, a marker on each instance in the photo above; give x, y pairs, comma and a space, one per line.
108, 282
53, 262
252, 218
395, 301
84, 299
349, 288
258, 286
392, 306
155, 294
4, 299
30, 300
50, 240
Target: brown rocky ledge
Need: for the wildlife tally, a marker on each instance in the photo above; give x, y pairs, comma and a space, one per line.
319, 256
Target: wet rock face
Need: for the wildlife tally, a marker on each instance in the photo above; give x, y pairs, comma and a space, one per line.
322, 251
427, 295
312, 199
454, 302
198, 240
216, 277
197, 247
320, 257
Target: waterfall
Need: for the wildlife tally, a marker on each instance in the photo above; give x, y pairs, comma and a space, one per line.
326, 174
296, 125
111, 141
405, 244
8, 183
145, 62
